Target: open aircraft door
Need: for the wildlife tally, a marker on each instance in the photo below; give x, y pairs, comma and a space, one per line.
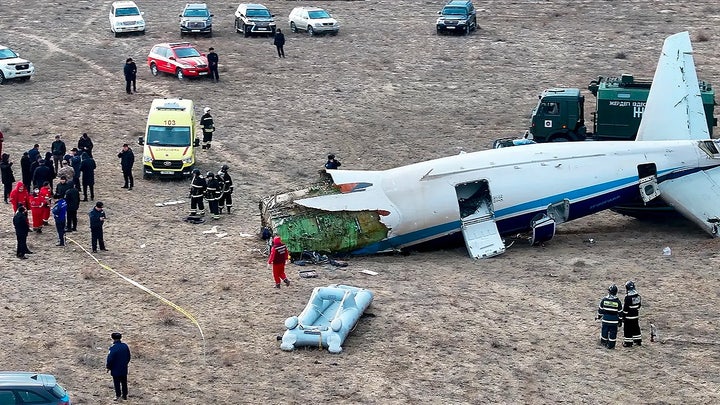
647, 173
482, 238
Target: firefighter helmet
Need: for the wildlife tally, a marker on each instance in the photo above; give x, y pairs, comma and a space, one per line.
613, 289
210, 174
224, 168
196, 171
629, 286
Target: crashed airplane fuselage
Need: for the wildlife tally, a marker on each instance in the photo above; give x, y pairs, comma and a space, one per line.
493, 193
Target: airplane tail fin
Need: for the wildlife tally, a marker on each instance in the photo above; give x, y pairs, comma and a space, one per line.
674, 109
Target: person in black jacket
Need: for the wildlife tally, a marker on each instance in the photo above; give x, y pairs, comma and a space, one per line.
75, 163
130, 71
49, 163
213, 61
97, 219
34, 153
197, 193
72, 198
41, 174
58, 151
208, 127
87, 168
22, 229
227, 189
127, 159
62, 187
25, 168
6, 175
118, 359
85, 144
212, 194
279, 41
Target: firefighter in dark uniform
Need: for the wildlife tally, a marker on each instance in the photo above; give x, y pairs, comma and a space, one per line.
610, 311
208, 127
197, 193
226, 198
631, 316
212, 194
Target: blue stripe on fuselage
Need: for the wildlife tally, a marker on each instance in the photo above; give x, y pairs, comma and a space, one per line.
510, 220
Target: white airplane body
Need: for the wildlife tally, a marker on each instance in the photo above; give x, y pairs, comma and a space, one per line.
499, 192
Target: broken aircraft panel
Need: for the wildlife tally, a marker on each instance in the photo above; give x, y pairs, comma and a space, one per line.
309, 229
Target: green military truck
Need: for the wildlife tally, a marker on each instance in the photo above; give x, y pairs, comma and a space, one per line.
620, 102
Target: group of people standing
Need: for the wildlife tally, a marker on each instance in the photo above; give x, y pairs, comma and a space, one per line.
34, 198
217, 189
613, 313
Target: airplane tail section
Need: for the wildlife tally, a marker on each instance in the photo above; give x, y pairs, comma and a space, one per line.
674, 109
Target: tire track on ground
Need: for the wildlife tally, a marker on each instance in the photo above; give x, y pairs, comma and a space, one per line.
54, 47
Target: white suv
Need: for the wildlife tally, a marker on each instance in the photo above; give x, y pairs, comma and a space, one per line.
13, 67
125, 16
314, 20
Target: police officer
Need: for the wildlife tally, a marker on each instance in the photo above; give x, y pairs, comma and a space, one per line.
226, 197
197, 193
631, 315
208, 127
610, 311
332, 163
212, 194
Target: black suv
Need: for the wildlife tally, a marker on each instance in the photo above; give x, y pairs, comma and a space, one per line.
457, 16
254, 19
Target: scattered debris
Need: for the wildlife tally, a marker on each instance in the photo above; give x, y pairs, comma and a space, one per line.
667, 251
211, 230
166, 203
370, 272
307, 274
142, 246
221, 235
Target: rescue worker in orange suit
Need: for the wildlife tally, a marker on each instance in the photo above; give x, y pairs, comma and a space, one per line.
278, 258
19, 196
631, 316
37, 209
46, 193
610, 311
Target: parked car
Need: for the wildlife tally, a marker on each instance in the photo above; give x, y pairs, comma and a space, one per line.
196, 19
181, 59
457, 16
314, 20
19, 387
254, 19
125, 17
13, 67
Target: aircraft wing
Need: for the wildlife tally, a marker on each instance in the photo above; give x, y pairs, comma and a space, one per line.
696, 197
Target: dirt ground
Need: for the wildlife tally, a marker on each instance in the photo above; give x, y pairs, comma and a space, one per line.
385, 92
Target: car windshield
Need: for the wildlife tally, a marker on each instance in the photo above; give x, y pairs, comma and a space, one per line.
196, 12
454, 11
7, 54
126, 11
168, 136
186, 52
318, 14
258, 13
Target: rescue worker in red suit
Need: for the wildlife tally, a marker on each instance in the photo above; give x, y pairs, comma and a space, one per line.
19, 196
46, 193
278, 257
37, 208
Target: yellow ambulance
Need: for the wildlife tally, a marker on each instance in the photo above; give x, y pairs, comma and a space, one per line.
169, 142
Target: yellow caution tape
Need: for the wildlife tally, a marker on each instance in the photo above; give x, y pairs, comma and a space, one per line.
178, 308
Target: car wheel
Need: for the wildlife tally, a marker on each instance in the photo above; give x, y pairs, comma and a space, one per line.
467, 29
559, 138
237, 26
142, 32
2, 78
182, 34
333, 33
146, 176
209, 35
293, 27
310, 31
154, 69
246, 30
179, 74
116, 34
24, 78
